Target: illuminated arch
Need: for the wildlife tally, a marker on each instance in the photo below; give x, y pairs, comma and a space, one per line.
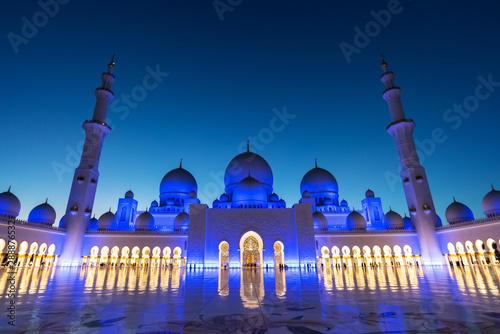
136, 251
125, 251
260, 246
166, 251
377, 251
480, 246
115, 251
177, 252
2, 245
33, 248
367, 251
156, 251
490, 243
42, 249
387, 250
397, 250
460, 248
279, 253
146, 251
346, 251
52, 249
223, 253
408, 251
104, 251
335, 251
94, 251
23, 248
356, 251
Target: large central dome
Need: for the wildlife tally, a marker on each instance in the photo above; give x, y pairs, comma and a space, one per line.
238, 169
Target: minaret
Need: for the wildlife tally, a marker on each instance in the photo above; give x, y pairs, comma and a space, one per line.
415, 184
81, 197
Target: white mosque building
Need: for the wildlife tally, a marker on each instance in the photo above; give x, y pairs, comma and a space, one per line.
249, 225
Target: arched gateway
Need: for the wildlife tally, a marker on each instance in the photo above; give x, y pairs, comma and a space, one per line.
251, 246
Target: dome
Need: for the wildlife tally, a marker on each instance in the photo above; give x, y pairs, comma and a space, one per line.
328, 201
457, 212
319, 220
129, 194
178, 181
369, 193
274, 198
154, 204
306, 194
181, 221
249, 190
224, 197
238, 168
215, 204
93, 225
393, 220
440, 222
407, 223
145, 221
282, 203
61, 222
491, 203
43, 213
355, 220
9, 204
193, 194
108, 221
343, 203
319, 180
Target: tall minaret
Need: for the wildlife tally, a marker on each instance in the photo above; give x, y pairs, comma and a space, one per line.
81, 197
415, 184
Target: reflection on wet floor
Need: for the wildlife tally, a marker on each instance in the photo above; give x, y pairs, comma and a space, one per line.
353, 299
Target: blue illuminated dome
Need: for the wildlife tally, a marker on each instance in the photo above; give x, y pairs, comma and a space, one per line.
319, 221
249, 193
274, 198
491, 203
145, 221
61, 222
393, 220
43, 213
129, 194
224, 198
9, 204
407, 223
154, 204
238, 168
319, 183
369, 193
178, 181
355, 221
93, 225
108, 221
344, 203
457, 212
181, 221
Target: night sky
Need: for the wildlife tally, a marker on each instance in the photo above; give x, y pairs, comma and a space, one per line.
228, 69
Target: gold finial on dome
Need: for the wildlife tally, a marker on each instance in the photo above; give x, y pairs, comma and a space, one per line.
384, 64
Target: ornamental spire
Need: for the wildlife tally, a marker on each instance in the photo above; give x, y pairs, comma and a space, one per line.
248, 145
316, 162
180, 166
492, 187
384, 64
111, 64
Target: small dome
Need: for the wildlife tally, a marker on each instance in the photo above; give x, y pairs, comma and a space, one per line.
193, 194
181, 221
61, 222
355, 220
129, 194
145, 221
274, 198
282, 203
9, 204
491, 203
237, 170
440, 222
224, 197
369, 193
250, 190
178, 181
319, 221
154, 204
215, 204
407, 223
108, 221
457, 212
319, 180
393, 220
343, 203
306, 194
43, 213
93, 225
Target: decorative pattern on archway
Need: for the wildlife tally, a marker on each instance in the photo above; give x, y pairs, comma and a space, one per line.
251, 254
279, 257
224, 254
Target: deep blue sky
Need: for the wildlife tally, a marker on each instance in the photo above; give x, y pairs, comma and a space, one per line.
225, 79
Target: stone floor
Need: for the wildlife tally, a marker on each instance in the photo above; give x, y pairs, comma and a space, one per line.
352, 300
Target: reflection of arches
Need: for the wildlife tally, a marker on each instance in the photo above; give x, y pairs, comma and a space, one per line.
251, 247
223, 254
279, 255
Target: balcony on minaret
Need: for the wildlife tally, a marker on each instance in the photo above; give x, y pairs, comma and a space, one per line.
413, 211
97, 122
427, 208
80, 179
88, 211
419, 178
73, 210
406, 180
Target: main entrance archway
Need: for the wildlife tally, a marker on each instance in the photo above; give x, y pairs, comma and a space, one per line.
251, 246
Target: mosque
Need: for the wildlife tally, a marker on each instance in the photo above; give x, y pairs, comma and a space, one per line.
249, 225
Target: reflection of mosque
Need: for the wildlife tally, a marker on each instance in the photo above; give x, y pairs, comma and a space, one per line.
249, 225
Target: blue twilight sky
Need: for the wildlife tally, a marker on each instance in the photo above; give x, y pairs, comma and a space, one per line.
229, 68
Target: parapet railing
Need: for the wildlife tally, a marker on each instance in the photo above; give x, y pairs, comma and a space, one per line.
24, 222
364, 231
136, 232
469, 222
